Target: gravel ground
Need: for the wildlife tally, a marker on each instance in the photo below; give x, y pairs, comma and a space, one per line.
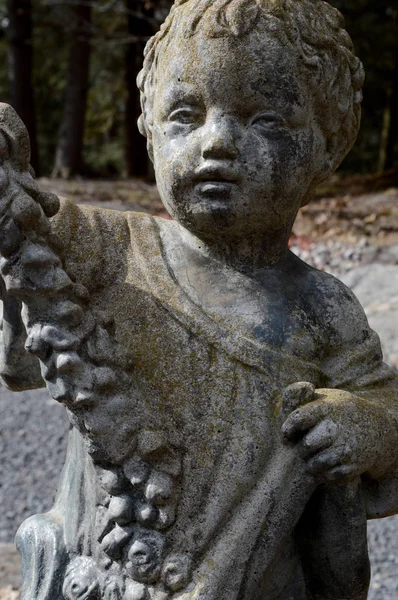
33, 435
338, 258
33, 439
383, 550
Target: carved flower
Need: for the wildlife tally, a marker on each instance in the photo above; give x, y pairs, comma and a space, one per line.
145, 557
113, 588
82, 580
176, 572
136, 591
111, 479
115, 540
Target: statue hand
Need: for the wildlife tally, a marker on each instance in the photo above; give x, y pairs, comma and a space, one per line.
341, 435
23, 207
24, 212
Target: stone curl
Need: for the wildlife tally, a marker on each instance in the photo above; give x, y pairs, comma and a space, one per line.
313, 27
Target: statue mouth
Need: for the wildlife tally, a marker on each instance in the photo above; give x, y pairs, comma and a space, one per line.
214, 188
217, 172
215, 179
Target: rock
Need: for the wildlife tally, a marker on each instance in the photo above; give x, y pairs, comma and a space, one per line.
8, 593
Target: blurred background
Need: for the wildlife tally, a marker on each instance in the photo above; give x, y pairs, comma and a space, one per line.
69, 69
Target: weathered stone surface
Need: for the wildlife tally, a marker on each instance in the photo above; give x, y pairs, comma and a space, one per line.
218, 387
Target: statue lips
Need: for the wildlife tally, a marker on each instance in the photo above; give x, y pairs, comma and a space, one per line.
215, 179
214, 188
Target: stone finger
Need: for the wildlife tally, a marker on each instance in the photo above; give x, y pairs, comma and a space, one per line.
25, 211
50, 203
296, 395
328, 459
320, 438
303, 418
341, 472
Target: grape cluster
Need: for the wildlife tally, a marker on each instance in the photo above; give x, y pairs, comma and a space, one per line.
138, 472
138, 504
62, 330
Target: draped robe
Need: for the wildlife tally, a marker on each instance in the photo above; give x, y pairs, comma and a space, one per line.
216, 396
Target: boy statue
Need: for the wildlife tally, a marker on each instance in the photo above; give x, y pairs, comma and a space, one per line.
233, 424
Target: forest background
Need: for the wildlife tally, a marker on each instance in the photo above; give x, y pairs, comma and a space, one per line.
69, 68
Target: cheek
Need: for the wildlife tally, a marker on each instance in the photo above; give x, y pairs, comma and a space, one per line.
295, 157
175, 155
258, 157
279, 165
264, 157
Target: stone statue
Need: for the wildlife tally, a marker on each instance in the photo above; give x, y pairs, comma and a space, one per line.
233, 424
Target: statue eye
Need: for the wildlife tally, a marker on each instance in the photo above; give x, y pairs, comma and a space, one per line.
267, 121
185, 116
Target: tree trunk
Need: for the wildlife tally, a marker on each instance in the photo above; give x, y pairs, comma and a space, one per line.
68, 157
392, 137
136, 156
20, 55
389, 137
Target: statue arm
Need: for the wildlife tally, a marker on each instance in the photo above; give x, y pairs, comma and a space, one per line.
331, 534
358, 367
380, 385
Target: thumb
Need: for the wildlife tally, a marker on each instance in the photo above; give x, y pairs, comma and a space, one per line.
295, 395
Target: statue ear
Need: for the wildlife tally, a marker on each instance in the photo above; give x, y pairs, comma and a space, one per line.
149, 147
146, 131
325, 169
331, 154
337, 150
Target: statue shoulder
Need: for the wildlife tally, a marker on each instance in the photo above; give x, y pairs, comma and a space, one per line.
337, 309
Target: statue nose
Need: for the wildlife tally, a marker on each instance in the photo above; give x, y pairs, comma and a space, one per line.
219, 140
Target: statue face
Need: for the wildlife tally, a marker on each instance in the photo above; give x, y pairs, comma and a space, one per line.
236, 145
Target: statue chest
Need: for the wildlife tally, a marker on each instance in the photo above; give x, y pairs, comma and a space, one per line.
266, 313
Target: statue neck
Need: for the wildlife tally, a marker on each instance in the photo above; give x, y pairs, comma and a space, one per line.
247, 254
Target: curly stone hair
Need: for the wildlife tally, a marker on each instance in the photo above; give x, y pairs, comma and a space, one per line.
313, 27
